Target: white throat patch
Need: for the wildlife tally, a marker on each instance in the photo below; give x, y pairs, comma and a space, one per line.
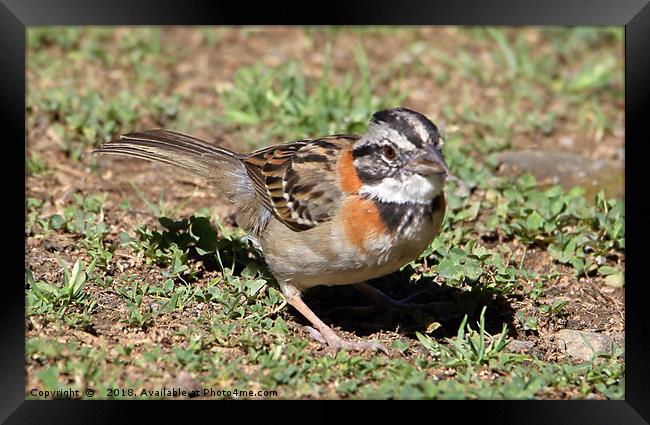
409, 189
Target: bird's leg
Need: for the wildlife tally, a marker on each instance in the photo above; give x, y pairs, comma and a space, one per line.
382, 303
322, 332
382, 300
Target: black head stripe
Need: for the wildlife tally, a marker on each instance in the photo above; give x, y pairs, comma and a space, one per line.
401, 120
363, 150
370, 169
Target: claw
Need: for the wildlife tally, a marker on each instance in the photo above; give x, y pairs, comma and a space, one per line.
334, 341
315, 335
337, 343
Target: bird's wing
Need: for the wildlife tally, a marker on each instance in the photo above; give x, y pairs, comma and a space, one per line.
299, 182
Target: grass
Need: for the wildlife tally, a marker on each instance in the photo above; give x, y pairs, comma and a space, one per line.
87, 115
282, 102
130, 289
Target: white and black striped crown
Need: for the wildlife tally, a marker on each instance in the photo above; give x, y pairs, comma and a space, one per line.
414, 126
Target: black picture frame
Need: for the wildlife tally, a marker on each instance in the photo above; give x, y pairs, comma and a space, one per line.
16, 15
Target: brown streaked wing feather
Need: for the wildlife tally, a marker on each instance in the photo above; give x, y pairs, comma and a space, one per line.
256, 161
312, 185
296, 180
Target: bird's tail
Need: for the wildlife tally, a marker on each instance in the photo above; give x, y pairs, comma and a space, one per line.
220, 167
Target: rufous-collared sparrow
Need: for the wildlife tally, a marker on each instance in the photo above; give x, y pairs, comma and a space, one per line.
334, 210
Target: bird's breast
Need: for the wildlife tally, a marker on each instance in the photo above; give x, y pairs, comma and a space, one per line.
366, 240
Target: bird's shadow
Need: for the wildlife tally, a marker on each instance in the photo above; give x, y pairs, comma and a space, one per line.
439, 303
196, 237
431, 303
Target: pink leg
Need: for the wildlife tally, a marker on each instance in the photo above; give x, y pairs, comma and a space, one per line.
327, 334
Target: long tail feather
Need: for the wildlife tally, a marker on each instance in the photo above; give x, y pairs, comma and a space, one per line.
220, 167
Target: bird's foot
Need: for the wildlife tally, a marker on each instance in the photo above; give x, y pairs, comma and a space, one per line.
330, 338
387, 306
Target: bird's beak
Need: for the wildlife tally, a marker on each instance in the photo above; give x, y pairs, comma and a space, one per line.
429, 162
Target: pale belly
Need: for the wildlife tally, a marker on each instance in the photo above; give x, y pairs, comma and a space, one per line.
321, 256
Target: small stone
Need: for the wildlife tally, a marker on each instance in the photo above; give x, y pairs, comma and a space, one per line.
54, 244
567, 142
517, 346
184, 380
567, 169
619, 338
492, 196
616, 280
582, 345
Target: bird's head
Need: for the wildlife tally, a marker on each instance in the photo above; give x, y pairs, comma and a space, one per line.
399, 159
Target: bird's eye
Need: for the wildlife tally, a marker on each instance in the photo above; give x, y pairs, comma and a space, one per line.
389, 153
